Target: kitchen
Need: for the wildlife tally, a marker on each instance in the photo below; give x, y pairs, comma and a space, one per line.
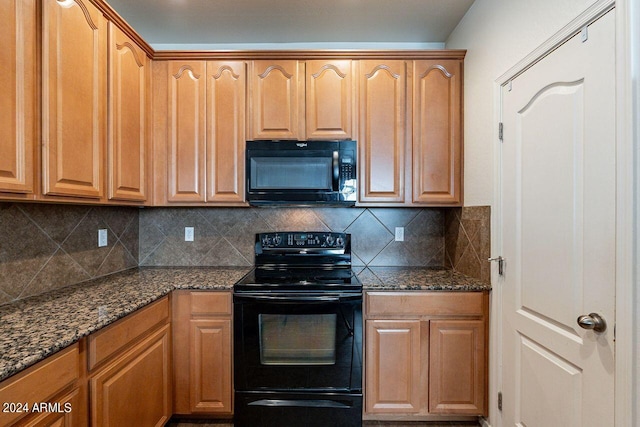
63, 247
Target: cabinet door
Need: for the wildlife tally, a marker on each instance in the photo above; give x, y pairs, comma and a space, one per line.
186, 138
393, 366
226, 82
277, 100
211, 388
74, 53
382, 130
18, 80
437, 132
135, 387
457, 371
64, 413
329, 105
129, 72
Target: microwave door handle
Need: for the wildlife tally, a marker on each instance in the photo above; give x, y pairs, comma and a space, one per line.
336, 171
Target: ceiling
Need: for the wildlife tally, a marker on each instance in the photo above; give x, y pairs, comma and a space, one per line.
251, 24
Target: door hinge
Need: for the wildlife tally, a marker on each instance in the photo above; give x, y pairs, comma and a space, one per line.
500, 131
500, 262
499, 401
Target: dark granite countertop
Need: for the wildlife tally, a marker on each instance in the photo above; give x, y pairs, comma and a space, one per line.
418, 279
35, 328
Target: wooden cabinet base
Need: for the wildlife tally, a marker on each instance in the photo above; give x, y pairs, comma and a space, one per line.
135, 386
426, 355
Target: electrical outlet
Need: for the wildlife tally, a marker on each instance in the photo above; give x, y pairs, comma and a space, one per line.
102, 238
188, 234
399, 234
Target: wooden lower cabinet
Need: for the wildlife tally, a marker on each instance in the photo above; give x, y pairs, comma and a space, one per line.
457, 367
62, 414
426, 355
203, 381
130, 369
394, 366
135, 386
50, 393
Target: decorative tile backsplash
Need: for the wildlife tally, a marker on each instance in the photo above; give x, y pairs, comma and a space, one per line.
468, 241
225, 236
45, 247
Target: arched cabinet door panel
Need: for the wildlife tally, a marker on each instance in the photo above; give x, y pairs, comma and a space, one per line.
437, 132
382, 87
129, 71
329, 99
74, 74
18, 81
277, 99
186, 136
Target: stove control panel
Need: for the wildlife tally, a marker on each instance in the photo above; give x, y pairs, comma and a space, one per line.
300, 240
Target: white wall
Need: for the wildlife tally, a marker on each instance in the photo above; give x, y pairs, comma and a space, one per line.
497, 34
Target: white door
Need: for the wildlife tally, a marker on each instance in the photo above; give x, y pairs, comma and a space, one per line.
558, 235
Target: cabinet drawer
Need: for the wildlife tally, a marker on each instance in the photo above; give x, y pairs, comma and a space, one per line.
106, 343
424, 303
211, 303
40, 383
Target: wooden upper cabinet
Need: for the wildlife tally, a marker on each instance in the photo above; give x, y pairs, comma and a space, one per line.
277, 100
329, 100
18, 82
437, 132
382, 116
226, 87
74, 74
186, 131
129, 71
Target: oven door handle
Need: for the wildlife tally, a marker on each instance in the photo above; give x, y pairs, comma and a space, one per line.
300, 403
301, 298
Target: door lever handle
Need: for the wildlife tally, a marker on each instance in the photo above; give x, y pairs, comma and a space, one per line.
500, 262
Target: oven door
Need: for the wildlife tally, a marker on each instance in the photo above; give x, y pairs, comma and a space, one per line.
294, 342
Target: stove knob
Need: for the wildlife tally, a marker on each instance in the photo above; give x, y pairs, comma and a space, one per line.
330, 240
339, 241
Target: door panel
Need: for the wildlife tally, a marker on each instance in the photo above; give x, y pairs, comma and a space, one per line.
393, 364
329, 105
18, 79
74, 53
186, 143
558, 192
225, 131
129, 73
382, 88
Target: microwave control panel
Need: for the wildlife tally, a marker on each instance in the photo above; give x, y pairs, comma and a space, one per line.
346, 168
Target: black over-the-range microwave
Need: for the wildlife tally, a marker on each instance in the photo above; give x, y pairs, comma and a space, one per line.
301, 173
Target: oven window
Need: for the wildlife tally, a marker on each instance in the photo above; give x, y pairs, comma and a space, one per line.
301, 339
291, 173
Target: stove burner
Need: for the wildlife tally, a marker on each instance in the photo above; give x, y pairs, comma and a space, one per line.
301, 261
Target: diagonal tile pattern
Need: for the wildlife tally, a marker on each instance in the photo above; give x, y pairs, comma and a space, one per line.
46, 247
227, 234
468, 241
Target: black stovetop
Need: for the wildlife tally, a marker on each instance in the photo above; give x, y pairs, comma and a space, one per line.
301, 261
